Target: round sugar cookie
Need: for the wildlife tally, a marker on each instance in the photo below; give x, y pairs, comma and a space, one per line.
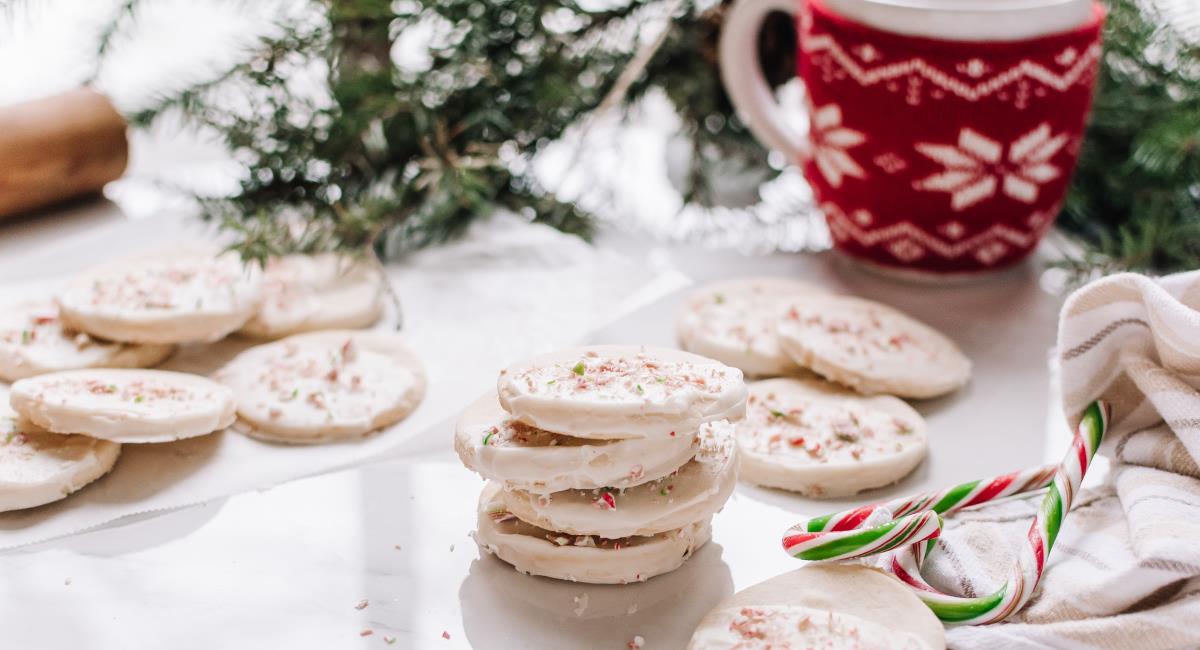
695, 491
324, 386
37, 467
185, 296
581, 558
822, 606
306, 293
33, 341
616, 391
492, 444
124, 405
824, 441
871, 347
734, 322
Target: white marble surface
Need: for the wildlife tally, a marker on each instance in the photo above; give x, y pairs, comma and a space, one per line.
286, 567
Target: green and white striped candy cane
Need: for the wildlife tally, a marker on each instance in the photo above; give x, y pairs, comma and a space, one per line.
907, 529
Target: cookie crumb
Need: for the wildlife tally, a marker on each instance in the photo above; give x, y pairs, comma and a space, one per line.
367, 632
631, 610
581, 603
362, 604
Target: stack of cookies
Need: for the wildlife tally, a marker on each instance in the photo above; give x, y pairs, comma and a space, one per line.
833, 423
605, 463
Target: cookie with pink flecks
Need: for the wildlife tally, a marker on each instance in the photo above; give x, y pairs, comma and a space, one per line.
734, 323
695, 491
37, 467
490, 442
581, 558
308, 293
33, 341
324, 386
614, 391
181, 296
824, 441
124, 405
822, 606
871, 347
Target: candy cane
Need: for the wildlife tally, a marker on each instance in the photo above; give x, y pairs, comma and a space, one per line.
908, 528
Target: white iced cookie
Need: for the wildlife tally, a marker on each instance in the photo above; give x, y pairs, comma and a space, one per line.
871, 347
125, 405
498, 447
581, 558
33, 341
614, 391
324, 386
734, 323
822, 606
306, 293
37, 467
695, 491
822, 440
188, 296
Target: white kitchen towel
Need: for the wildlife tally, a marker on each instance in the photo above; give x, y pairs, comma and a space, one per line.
1125, 570
506, 290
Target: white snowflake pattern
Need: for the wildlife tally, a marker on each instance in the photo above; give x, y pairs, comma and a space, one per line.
830, 140
976, 167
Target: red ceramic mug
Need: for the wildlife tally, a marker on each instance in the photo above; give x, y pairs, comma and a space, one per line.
942, 133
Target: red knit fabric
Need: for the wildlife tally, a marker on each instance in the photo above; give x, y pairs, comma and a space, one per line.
942, 156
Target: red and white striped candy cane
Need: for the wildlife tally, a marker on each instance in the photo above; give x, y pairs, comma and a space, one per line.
908, 528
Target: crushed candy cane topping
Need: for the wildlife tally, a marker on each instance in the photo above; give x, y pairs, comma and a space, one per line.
822, 431
631, 378
186, 284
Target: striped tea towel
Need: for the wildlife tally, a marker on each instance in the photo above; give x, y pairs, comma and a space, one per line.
1125, 572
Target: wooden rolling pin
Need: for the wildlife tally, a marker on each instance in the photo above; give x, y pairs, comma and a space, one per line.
57, 148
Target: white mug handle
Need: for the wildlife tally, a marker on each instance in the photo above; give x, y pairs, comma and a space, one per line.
741, 72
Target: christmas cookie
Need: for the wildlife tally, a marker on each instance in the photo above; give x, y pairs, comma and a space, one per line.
306, 293
494, 445
695, 491
124, 405
37, 467
822, 606
324, 386
871, 347
734, 323
33, 342
581, 558
189, 296
612, 391
822, 440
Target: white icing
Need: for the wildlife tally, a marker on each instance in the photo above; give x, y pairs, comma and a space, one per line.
825, 441
871, 347
33, 341
621, 392
325, 385
125, 405
493, 444
37, 468
188, 297
734, 323
586, 558
784, 627
303, 293
695, 491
